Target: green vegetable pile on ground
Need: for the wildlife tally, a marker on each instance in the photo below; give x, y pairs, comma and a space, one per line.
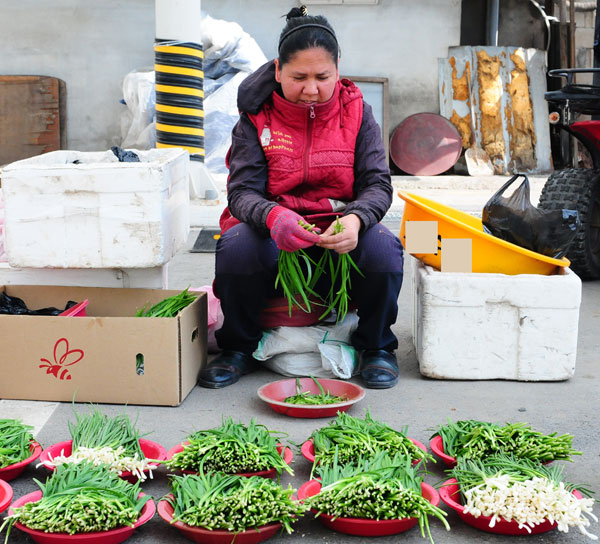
472, 439
507, 488
112, 441
347, 438
308, 398
378, 487
81, 498
15, 442
232, 503
170, 306
231, 448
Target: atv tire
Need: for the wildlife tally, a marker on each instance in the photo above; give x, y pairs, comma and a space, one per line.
578, 189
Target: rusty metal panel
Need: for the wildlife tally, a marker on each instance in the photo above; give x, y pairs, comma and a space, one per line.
32, 116
511, 115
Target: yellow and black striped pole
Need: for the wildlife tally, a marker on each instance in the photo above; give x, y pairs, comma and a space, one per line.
180, 96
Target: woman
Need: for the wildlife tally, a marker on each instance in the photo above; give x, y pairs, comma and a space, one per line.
306, 147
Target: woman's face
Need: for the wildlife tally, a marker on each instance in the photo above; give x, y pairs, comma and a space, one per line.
308, 77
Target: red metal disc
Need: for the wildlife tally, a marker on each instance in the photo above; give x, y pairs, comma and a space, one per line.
425, 144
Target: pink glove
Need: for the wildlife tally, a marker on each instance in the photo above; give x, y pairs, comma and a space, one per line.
287, 233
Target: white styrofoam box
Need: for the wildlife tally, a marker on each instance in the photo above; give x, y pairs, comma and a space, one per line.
495, 326
139, 278
72, 209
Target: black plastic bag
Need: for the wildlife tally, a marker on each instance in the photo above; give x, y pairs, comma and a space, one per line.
516, 220
124, 155
16, 306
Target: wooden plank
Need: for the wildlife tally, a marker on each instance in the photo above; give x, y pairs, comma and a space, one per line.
32, 116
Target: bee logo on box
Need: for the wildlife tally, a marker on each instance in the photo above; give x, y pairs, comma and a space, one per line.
63, 357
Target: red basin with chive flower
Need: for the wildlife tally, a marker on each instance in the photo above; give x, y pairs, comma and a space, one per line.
308, 449
449, 493
288, 455
364, 526
151, 451
6, 495
113, 536
216, 536
10, 472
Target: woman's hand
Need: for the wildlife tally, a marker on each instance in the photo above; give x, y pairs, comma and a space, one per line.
345, 241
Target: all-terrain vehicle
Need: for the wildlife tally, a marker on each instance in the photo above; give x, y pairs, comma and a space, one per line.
577, 188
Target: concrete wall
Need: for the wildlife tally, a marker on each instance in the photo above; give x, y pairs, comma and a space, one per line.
93, 45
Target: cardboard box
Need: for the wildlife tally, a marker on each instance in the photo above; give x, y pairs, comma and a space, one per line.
72, 209
495, 326
95, 358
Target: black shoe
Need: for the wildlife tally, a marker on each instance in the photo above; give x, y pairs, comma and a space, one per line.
378, 369
227, 369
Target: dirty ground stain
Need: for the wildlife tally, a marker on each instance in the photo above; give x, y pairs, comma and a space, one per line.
519, 117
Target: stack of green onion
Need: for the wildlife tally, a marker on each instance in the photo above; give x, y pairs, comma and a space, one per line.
169, 307
377, 487
472, 439
232, 503
347, 438
313, 399
15, 442
81, 498
231, 448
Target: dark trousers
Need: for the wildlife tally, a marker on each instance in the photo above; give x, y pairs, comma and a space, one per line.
246, 267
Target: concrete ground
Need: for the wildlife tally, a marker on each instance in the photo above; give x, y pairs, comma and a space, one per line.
419, 403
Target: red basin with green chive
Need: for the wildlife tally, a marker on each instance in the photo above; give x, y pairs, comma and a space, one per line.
113, 536
10, 472
364, 526
275, 393
216, 536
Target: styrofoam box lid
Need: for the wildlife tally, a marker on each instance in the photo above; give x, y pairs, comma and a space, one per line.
101, 167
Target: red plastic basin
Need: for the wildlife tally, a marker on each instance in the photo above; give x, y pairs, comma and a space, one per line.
6, 495
437, 446
216, 536
114, 536
363, 526
275, 393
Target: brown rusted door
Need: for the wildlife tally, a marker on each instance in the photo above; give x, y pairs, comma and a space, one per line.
32, 116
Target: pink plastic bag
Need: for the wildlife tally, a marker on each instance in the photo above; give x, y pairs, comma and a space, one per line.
214, 318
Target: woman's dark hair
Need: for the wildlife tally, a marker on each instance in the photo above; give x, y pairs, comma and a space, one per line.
304, 31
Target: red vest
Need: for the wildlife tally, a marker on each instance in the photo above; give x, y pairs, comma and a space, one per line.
310, 151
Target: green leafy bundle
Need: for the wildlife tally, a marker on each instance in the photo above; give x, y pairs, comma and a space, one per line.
347, 438
232, 503
376, 487
313, 399
170, 306
97, 430
15, 442
472, 439
81, 498
231, 448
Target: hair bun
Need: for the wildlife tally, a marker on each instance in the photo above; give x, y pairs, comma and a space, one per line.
297, 12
